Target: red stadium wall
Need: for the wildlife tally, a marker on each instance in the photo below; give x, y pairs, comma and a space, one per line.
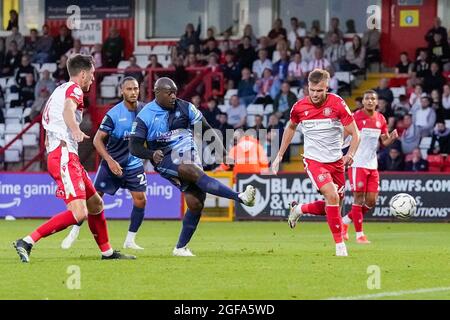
125, 27
396, 38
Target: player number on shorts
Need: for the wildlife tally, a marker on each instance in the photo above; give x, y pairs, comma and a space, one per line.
142, 178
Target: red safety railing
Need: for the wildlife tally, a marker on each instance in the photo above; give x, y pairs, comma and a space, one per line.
38, 157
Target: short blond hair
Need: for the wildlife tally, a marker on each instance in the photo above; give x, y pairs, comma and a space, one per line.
318, 75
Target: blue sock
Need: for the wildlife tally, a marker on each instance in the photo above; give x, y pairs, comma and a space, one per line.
190, 222
213, 186
137, 215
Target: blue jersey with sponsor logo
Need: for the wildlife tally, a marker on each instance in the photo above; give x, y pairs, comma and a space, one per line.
117, 124
168, 130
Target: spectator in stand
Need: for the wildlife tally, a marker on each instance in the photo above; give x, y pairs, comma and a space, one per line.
26, 92
422, 65
63, 42
264, 88
319, 61
211, 47
316, 40
44, 47
401, 108
190, 37
17, 37
298, 45
417, 163
134, 70
440, 141
333, 84
308, 50
223, 127
277, 32
315, 24
61, 74
261, 64
237, 113
191, 61
297, 71
334, 29
439, 50
280, 68
355, 57
295, 33
259, 125
392, 160
410, 137
436, 104
414, 99
2, 53
113, 49
248, 32
31, 43
404, 67
96, 53
211, 113
446, 101
245, 88
38, 105
335, 51
231, 70
436, 29
264, 44
227, 44
384, 107
77, 49
246, 53
371, 41
180, 76
25, 68
434, 79
44, 83
283, 102
13, 20
383, 91
304, 92
210, 35
425, 117
13, 59
350, 24
196, 100
213, 62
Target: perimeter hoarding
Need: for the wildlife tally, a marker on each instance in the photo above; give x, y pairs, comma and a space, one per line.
274, 193
33, 196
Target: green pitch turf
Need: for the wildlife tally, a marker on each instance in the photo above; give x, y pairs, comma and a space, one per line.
240, 260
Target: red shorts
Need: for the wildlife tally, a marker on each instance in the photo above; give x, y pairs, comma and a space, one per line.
364, 180
323, 173
72, 180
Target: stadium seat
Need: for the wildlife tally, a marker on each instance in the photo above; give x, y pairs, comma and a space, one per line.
3, 83
11, 81
123, 64
108, 91
250, 121
13, 128
35, 129
447, 123
2, 129
11, 96
51, 67
435, 162
230, 93
268, 109
223, 108
447, 164
295, 90
255, 109
17, 145
12, 156
29, 140
397, 91
37, 66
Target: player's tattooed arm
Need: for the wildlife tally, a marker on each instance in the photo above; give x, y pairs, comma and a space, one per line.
70, 107
99, 144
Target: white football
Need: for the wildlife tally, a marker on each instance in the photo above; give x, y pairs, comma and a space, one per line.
403, 206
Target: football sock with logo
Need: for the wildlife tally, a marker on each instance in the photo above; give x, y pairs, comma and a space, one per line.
137, 216
57, 223
190, 222
317, 208
334, 222
97, 225
213, 186
357, 215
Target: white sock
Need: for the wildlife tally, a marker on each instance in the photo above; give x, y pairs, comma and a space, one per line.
359, 234
340, 245
130, 236
346, 220
108, 253
28, 240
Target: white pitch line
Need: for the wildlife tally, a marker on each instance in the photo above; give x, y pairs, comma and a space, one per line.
390, 294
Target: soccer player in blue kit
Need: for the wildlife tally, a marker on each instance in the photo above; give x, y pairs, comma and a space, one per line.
118, 168
165, 125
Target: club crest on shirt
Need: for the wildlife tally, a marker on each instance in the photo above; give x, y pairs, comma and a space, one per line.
306, 113
177, 114
378, 124
321, 177
81, 185
364, 122
327, 112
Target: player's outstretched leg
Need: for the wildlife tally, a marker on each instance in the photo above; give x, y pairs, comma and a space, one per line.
72, 236
99, 229
210, 185
136, 218
195, 200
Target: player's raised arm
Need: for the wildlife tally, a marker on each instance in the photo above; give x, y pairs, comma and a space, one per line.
352, 130
70, 106
288, 134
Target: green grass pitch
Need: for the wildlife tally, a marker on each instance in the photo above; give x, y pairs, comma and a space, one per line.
238, 260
